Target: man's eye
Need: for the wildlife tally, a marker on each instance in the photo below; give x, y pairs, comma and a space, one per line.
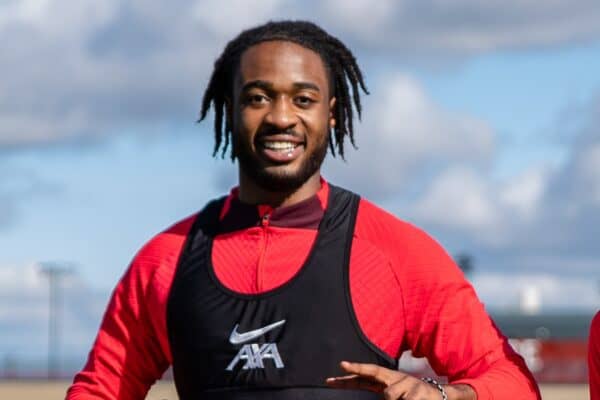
304, 101
256, 99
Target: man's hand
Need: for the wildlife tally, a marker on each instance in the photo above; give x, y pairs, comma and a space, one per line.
394, 384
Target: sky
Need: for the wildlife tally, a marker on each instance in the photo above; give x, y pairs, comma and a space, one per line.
482, 127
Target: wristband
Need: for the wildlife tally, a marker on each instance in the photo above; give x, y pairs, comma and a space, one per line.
435, 383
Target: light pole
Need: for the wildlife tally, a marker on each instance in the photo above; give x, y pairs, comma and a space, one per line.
55, 272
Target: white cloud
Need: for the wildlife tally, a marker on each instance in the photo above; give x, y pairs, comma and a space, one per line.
469, 200
523, 193
408, 118
588, 169
17, 186
87, 68
467, 26
19, 280
504, 291
372, 15
435, 168
24, 310
459, 198
28, 11
239, 15
57, 19
543, 219
19, 128
410, 136
7, 210
91, 68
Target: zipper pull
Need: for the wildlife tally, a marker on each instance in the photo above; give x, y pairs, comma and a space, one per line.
265, 219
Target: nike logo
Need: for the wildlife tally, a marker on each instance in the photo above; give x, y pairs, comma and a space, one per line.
238, 338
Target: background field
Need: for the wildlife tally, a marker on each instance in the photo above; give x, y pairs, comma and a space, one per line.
164, 390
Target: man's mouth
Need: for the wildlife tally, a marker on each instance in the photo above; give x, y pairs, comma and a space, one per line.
281, 146
280, 149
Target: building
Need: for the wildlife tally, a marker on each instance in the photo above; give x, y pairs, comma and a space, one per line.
554, 346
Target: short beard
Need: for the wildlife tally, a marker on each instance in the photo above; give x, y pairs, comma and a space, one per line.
279, 182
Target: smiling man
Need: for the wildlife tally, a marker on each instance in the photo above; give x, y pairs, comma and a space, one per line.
281, 110
275, 290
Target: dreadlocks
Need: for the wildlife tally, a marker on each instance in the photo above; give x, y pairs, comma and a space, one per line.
338, 59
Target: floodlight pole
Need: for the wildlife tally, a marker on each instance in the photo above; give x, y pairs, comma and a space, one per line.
54, 271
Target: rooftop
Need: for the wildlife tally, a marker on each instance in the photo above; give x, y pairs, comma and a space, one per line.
544, 326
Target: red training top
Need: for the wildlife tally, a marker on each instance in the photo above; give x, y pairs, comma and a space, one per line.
594, 358
406, 291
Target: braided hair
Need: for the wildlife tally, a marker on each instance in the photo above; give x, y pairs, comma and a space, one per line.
339, 61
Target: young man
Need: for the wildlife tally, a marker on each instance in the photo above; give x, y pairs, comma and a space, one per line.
274, 290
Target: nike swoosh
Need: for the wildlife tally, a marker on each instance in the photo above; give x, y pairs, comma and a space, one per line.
238, 338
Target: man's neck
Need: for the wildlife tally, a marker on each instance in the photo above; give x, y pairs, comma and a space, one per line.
251, 193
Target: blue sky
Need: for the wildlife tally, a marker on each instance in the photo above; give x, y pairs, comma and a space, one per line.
483, 118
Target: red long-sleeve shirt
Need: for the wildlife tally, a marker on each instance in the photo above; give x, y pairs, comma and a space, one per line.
406, 291
594, 358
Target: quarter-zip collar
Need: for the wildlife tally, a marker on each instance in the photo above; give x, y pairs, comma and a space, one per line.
306, 214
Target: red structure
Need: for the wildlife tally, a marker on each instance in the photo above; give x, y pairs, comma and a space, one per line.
556, 361
554, 346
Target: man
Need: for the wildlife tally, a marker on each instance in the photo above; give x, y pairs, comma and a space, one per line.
268, 292
594, 358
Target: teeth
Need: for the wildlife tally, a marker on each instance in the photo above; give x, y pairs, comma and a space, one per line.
280, 146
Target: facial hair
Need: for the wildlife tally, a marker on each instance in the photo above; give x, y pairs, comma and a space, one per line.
274, 181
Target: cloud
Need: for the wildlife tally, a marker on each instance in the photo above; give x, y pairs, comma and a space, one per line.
89, 69
435, 168
411, 137
113, 65
523, 192
571, 206
24, 311
469, 200
505, 291
19, 185
373, 16
7, 211
238, 16
458, 197
543, 219
463, 27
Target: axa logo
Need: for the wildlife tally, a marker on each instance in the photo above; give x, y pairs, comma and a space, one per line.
254, 354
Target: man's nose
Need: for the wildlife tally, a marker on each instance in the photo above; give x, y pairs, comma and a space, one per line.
281, 114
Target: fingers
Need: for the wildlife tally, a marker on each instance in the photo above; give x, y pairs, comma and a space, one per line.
393, 384
373, 372
407, 389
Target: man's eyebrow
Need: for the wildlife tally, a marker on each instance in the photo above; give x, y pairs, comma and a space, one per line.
259, 84
306, 85
268, 86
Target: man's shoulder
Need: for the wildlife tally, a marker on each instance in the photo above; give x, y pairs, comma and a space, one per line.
401, 241
167, 243
374, 222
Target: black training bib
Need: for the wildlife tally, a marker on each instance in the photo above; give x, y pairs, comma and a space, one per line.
281, 344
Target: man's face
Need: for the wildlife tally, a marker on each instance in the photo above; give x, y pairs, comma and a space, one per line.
281, 113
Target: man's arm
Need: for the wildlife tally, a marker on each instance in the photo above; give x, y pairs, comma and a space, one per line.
449, 327
393, 384
436, 313
126, 358
132, 350
447, 323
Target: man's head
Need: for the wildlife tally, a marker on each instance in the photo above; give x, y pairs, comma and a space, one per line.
281, 95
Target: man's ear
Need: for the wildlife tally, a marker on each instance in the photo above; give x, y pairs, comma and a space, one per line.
332, 112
